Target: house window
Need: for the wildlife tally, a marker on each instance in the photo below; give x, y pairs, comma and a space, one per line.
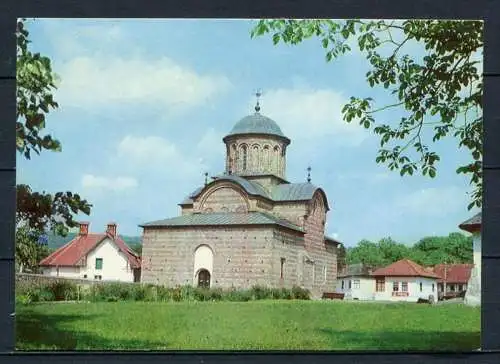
349, 284
98, 278
343, 284
432, 287
404, 286
395, 286
380, 285
281, 268
452, 287
420, 286
460, 287
85, 276
356, 284
98, 263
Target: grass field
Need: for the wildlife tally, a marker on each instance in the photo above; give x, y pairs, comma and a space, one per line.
266, 325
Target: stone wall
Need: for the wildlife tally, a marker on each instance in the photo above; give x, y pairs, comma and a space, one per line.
27, 280
243, 257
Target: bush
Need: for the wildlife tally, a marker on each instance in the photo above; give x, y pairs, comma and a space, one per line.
63, 290
299, 293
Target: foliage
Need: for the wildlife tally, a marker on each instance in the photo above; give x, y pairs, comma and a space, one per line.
429, 251
119, 291
38, 212
256, 325
30, 249
441, 93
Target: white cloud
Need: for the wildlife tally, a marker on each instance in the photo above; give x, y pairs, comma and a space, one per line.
99, 81
159, 157
304, 112
147, 149
435, 201
116, 184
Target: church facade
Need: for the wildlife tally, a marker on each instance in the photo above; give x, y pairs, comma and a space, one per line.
248, 226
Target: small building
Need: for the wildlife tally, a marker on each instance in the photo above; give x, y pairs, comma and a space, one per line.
405, 280
103, 256
356, 282
454, 278
473, 294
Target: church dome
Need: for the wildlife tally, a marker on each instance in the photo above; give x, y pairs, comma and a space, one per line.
256, 124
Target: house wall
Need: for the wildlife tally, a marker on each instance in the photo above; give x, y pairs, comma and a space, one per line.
365, 291
473, 294
64, 272
429, 287
115, 266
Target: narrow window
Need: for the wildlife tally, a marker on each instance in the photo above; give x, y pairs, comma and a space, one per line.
404, 286
244, 157
281, 268
349, 284
420, 286
98, 263
395, 286
324, 271
432, 287
343, 284
380, 286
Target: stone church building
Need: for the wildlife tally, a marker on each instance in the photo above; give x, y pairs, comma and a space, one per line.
248, 226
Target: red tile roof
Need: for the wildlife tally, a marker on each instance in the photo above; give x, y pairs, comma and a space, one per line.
405, 268
453, 273
74, 253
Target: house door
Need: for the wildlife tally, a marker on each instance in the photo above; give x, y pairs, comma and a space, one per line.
204, 278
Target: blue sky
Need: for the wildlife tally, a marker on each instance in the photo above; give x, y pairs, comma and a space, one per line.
144, 105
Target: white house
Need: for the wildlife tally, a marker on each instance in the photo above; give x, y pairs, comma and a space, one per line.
406, 281
473, 294
356, 283
94, 256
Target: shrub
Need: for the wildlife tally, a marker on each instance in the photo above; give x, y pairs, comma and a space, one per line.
261, 293
63, 290
299, 293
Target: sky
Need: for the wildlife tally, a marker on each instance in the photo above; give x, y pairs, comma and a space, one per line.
144, 105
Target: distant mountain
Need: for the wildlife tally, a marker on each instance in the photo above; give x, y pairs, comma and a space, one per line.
56, 241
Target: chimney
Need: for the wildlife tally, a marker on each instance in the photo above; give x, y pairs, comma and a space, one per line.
111, 229
84, 228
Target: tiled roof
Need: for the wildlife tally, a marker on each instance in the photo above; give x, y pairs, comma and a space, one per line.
453, 273
223, 218
473, 224
74, 253
405, 268
280, 193
256, 124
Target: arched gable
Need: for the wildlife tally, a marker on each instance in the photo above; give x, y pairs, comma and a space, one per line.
224, 196
319, 200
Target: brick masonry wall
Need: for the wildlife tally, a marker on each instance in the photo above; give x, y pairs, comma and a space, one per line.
242, 256
223, 197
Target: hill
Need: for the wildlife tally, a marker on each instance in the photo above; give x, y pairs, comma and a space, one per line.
56, 241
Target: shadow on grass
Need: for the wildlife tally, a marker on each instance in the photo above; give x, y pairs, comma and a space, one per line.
35, 331
405, 339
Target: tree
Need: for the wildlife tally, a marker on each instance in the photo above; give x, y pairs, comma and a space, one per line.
37, 212
441, 94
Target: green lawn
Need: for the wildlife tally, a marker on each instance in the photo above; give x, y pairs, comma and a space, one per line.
292, 325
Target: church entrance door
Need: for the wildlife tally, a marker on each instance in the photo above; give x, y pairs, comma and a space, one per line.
204, 278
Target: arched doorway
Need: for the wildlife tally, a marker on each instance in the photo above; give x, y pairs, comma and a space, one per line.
204, 278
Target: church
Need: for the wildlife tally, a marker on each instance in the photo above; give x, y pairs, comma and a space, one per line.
248, 226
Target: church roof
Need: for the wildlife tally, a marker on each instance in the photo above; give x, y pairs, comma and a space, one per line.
256, 124
280, 193
223, 219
